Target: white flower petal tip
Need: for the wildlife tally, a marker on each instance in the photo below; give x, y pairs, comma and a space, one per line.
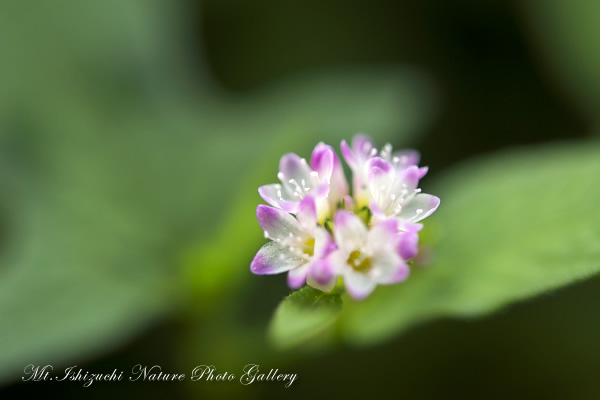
320, 232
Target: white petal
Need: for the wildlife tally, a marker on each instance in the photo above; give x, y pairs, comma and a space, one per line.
381, 183
358, 284
419, 207
277, 224
307, 214
274, 258
294, 172
399, 274
324, 244
385, 265
278, 196
350, 232
384, 235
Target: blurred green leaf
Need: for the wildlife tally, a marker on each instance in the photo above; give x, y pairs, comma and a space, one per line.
568, 36
510, 227
303, 315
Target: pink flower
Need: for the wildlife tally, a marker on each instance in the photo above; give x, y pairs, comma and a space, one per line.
319, 232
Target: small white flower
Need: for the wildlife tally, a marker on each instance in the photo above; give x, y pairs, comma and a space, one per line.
323, 179
393, 193
296, 243
366, 258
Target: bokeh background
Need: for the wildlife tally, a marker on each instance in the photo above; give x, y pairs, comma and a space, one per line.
133, 137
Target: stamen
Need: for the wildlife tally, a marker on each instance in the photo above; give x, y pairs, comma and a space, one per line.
386, 151
419, 211
298, 187
280, 176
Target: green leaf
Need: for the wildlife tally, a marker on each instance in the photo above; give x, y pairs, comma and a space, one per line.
303, 315
508, 228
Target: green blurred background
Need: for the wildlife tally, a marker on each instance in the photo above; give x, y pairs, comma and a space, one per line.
133, 137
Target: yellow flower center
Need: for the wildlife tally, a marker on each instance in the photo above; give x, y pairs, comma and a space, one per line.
358, 262
309, 247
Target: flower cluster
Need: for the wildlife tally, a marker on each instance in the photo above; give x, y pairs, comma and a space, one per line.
320, 233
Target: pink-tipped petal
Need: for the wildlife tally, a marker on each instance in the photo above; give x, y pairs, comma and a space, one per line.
323, 273
385, 265
324, 287
379, 181
348, 203
339, 184
409, 178
400, 274
277, 196
321, 191
377, 212
384, 232
382, 164
277, 224
381, 186
408, 245
405, 158
273, 258
423, 171
349, 155
297, 277
321, 161
363, 146
307, 214
410, 226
